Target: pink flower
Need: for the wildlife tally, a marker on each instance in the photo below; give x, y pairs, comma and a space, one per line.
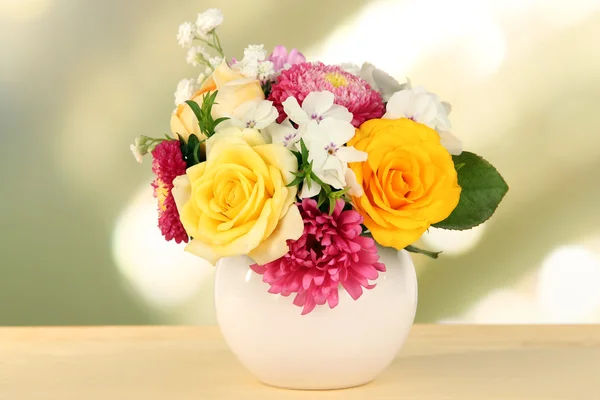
280, 57
168, 163
350, 91
330, 252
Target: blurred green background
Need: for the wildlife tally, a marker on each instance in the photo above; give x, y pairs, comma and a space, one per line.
79, 79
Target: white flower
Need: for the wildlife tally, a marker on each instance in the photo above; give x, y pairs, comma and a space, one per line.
215, 61
254, 55
351, 68
208, 21
185, 90
325, 143
266, 70
255, 52
185, 36
136, 152
381, 81
316, 107
256, 114
426, 108
197, 55
284, 133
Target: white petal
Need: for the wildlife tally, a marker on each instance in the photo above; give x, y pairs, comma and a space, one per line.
447, 107
319, 157
182, 191
246, 110
294, 111
350, 154
336, 131
397, 105
356, 190
312, 134
338, 112
267, 120
366, 74
313, 191
279, 132
318, 102
426, 110
263, 109
451, 143
333, 177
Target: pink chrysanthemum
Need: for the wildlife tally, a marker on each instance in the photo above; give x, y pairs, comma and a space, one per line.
168, 163
329, 253
350, 91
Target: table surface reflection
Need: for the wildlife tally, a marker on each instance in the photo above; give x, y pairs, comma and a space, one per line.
438, 362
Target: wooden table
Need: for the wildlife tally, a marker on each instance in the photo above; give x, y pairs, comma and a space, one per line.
180, 363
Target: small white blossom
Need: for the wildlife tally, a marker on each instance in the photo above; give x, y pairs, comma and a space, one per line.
315, 107
136, 152
426, 108
197, 55
201, 78
185, 90
215, 61
254, 55
325, 142
255, 114
255, 52
266, 70
284, 133
185, 36
208, 21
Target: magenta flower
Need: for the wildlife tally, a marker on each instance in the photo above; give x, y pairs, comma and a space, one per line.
349, 90
168, 163
329, 253
280, 57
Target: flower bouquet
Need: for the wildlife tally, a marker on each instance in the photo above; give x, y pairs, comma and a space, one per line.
307, 185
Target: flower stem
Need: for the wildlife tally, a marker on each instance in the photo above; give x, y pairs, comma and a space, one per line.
431, 254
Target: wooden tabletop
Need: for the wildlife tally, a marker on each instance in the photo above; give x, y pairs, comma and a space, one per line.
180, 363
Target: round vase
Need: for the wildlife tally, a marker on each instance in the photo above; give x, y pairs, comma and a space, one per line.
342, 347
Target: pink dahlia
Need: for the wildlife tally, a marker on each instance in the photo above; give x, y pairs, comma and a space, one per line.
168, 164
350, 91
329, 253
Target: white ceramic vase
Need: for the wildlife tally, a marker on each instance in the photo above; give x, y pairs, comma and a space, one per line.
327, 348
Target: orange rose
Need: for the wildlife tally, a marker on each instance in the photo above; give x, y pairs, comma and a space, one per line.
234, 89
409, 180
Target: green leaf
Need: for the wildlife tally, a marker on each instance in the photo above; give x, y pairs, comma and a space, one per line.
304, 150
196, 109
219, 120
331, 206
195, 153
459, 166
296, 181
322, 198
482, 190
430, 254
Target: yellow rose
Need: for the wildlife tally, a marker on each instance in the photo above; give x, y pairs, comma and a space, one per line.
237, 202
234, 89
409, 180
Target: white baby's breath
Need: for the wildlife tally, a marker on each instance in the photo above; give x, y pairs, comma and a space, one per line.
208, 21
185, 36
197, 55
266, 70
215, 61
254, 55
185, 90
